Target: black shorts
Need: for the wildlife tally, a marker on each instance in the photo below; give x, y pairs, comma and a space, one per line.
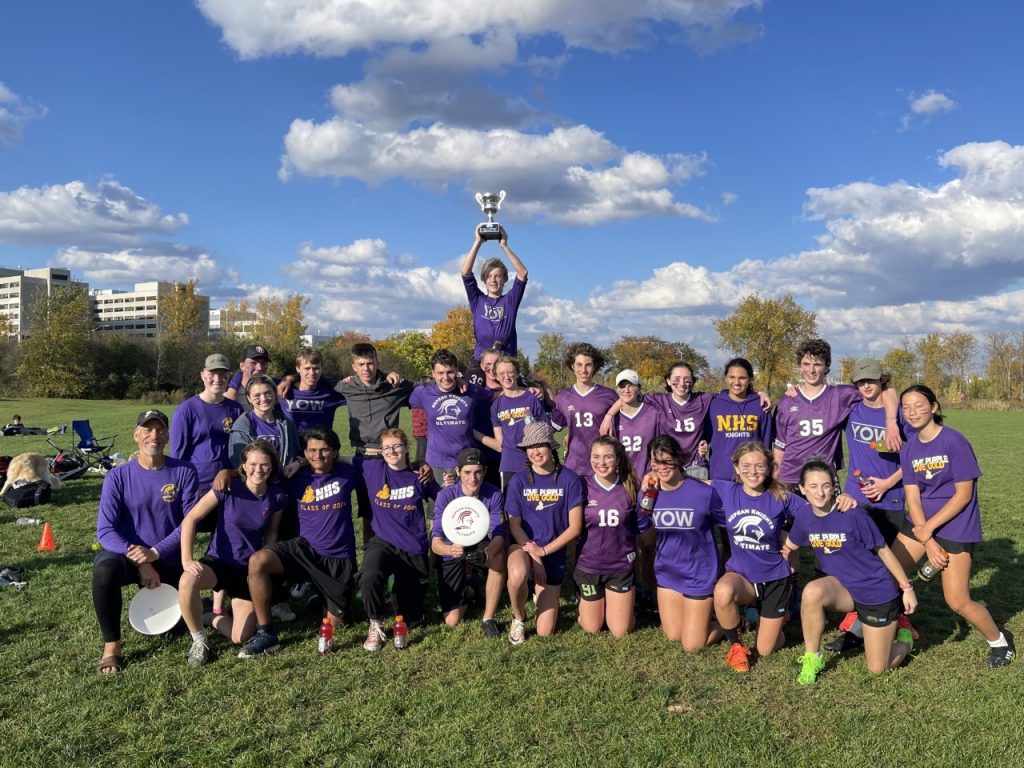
879, 615
773, 597
451, 583
591, 586
889, 522
951, 547
333, 577
233, 579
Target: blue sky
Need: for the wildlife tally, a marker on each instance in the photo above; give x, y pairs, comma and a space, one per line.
662, 159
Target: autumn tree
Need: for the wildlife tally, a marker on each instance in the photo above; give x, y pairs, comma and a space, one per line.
767, 332
548, 361
650, 357
55, 360
407, 352
455, 333
901, 365
182, 337
846, 364
1004, 369
280, 324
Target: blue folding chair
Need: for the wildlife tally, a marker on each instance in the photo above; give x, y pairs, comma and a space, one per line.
95, 451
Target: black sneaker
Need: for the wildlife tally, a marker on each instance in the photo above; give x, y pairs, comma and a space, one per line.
262, 642
845, 642
491, 628
1003, 655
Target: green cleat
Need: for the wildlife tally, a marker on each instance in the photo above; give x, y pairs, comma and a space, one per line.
812, 666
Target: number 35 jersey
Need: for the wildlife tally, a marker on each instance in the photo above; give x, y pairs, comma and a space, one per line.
807, 428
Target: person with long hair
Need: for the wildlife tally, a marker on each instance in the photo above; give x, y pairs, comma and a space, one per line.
607, 550
544, 503
861, 573
264, 420
735, 417
940, 479
249, 515
636, 423
511, 412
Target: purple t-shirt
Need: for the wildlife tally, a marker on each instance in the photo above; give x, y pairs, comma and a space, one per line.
146, 507
755, 531
324, 507
636, 432
491, 497
582, 415
731, 424
450, 420
844, 545
262, 430
494, 320
242, 522
866, 425
308, 408
685, 556
199, 435
684, 421
543, 504
806, 428
607, 545
935, 468
511, 414
396, 496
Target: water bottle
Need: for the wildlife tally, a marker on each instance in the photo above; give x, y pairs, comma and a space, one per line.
927, 571
881, 447
29, 521
401, 633
325, 642
862, 481
648, 498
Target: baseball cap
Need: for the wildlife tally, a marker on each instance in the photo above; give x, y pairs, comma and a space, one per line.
152, 415
866, 368
255, 351
217, 362
469, 456
628, 374
537, 433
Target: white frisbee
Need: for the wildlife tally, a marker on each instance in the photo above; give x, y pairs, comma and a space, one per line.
466, 521
154, 611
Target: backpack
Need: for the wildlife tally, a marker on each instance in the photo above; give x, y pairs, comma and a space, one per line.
28, 495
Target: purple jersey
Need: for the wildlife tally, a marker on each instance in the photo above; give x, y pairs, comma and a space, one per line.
450, 420
582, 415
494, 320
731, 424
512, 414
844, 544
935, 468
543, 503
866, 425
491, 498
807, 428
755, 531
324, 507
242, 522
686, 557
308, 408
636, 432
199, 435
683, 421
396, 496
146, 506
610, 526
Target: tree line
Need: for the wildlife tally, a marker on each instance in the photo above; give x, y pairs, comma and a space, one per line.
66, 356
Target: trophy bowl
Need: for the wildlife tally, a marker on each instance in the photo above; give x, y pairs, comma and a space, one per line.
490, 203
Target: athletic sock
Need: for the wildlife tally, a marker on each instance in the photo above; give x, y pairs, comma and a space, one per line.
999, 642
199, 636
857, 629
732, 635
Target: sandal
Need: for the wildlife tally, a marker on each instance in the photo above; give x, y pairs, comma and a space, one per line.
114, 665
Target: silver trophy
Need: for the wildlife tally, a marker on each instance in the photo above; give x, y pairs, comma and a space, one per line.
489, 204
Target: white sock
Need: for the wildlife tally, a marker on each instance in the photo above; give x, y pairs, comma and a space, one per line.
999, 642
199, 636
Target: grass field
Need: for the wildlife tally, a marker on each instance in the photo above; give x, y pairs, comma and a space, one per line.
455, 698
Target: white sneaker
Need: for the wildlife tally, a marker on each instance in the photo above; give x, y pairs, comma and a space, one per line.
282, 612
199, 653
517, 632
375, 638
299, 590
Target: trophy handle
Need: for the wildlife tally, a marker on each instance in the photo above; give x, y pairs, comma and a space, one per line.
501, 197
480, 199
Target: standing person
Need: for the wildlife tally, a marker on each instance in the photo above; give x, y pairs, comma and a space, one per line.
255, 360
756, 509
940, 479
544, 503
861, 574
452, 559
201, 424
398, 546
250, 513
581, 407
324, 552
636, 423
142, 504
264, 420
511, 412
494, 314
606, 552
735, 417
686, 563
310, 403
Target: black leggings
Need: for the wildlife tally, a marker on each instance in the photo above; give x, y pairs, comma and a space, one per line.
110, 572
380, 560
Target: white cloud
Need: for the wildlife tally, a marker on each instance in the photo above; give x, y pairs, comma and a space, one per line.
931, 103
15, 114
729, 198
122, 268
336, 27
76, 212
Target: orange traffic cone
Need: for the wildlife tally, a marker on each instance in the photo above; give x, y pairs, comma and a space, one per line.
46, 543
